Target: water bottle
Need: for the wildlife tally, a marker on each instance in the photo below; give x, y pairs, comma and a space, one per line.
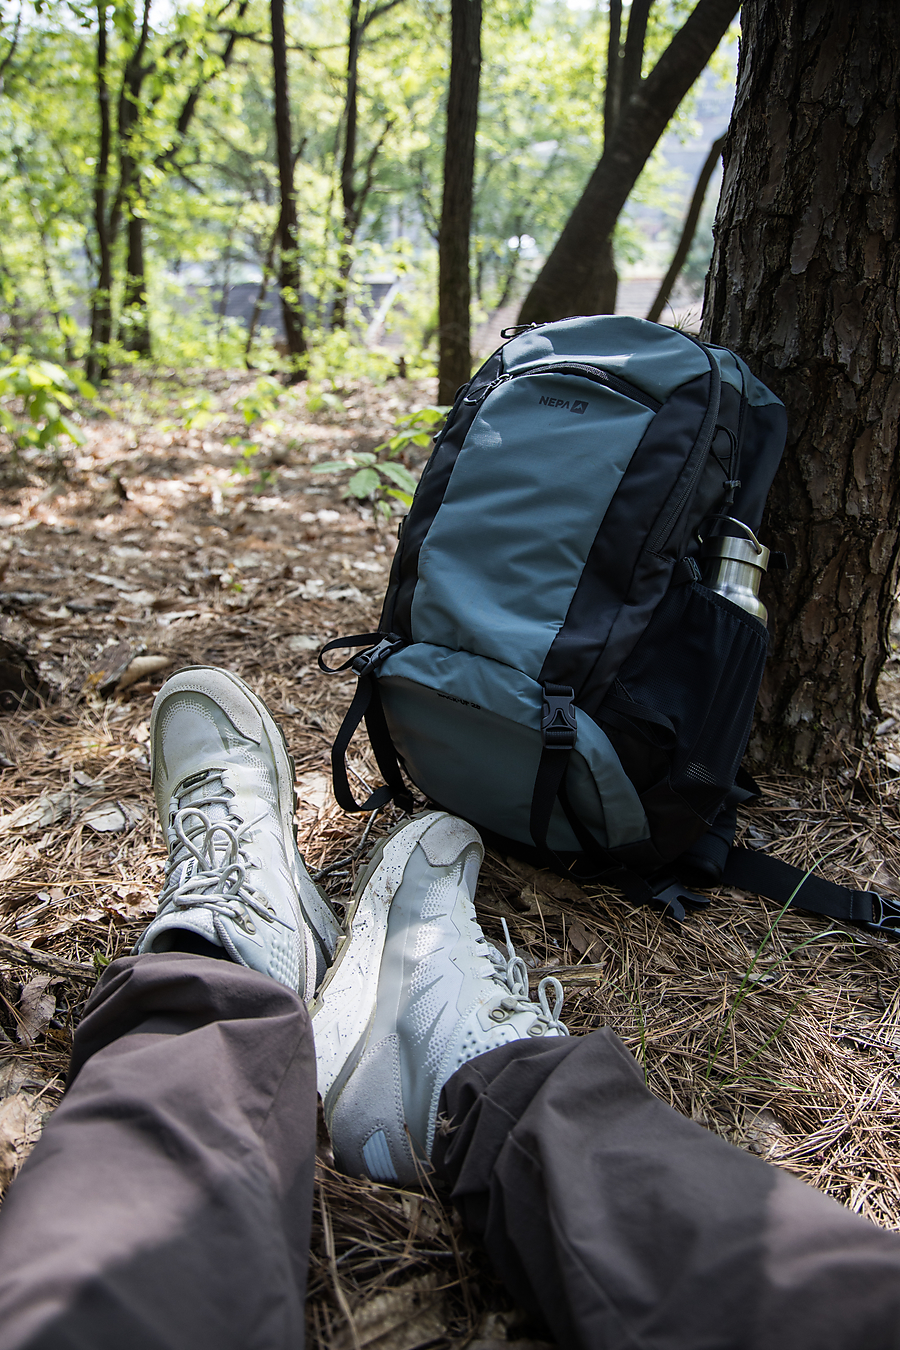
735, 567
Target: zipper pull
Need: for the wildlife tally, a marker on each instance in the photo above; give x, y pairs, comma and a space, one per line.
518, 328
481, 393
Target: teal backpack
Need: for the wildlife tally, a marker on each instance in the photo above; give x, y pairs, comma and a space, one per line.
550, 662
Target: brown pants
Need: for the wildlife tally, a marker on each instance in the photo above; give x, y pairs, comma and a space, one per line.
167, 1205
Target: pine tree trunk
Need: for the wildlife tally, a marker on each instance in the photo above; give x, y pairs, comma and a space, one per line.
454, 284
804, 283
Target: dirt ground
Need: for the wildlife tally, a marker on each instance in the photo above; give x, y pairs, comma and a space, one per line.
145, 543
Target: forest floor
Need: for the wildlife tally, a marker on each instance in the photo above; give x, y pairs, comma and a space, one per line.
780, 1034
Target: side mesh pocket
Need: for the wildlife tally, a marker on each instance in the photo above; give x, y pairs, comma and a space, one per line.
680, 713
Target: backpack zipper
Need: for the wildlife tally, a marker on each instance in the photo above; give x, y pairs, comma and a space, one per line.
594, 373
676, 503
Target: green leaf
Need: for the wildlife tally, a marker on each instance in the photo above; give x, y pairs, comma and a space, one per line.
364, 482
403, 497
333, 466
399, 475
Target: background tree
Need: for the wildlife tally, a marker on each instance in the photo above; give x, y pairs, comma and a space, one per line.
804, 284
454, 285
289, 273
575, 278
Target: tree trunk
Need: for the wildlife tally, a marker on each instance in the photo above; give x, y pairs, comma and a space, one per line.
570, 278
689, 229
97, 362
136, 332
454, 283
134, 328
803, 283
289, 262
348, 168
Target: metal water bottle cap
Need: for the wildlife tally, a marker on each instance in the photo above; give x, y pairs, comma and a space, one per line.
735, 567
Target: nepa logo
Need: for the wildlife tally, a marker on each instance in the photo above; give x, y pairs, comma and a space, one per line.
579, 406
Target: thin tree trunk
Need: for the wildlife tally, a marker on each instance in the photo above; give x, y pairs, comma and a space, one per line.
97, 363
689, 229
803, 283
289, 258
454, 283
568, 281
134, 325
348, 168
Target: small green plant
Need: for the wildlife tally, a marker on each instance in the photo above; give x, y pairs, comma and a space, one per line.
261, 403
244, 465
376, 476
42, 389
257, 406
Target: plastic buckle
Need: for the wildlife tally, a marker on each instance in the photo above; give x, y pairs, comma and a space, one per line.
671, 900
888, 911
368, 661
558, 726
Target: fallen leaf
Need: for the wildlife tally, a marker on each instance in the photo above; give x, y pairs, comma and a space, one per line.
132, 902
581, 939
51, 807
111, 663
403, 1318
314, 789
37, 1004
560, 888
303, 642
20, 1128
533, 901
763, 1131
109, 817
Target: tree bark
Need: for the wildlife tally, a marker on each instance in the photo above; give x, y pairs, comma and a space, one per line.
454, 282
804, 284
289, 259
688, 230
569, 280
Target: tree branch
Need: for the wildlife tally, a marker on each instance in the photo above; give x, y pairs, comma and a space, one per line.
568, 280
688, 230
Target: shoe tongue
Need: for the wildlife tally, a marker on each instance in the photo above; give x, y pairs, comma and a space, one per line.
197, 791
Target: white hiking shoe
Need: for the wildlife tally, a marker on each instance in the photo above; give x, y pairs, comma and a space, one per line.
415, 992
224, 786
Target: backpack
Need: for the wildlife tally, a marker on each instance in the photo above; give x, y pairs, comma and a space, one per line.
549, 664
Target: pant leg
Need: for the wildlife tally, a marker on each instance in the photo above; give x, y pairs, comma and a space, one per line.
167, 1205
627, 1225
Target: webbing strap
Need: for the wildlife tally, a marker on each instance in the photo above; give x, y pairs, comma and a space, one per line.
366, 704
751, 870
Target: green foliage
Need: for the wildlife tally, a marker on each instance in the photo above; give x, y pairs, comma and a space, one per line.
208, 197
35, 398
376, 476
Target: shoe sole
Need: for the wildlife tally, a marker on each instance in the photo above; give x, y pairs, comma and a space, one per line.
328, 934
344, 1006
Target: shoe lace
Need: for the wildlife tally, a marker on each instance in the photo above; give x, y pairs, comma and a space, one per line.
511, 972
207, 865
